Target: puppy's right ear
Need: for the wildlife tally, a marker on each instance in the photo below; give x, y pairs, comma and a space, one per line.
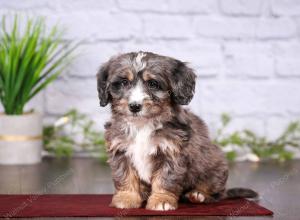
102, 85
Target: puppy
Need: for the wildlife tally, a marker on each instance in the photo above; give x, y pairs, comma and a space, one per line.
158, 151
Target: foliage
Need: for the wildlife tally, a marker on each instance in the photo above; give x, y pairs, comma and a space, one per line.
62, 137
259, 146
74, 130
29, 61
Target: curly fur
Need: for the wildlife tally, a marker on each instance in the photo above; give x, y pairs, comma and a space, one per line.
162, 152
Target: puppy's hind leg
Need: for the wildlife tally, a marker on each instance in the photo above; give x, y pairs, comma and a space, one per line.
210, 186
195, 196
203, 194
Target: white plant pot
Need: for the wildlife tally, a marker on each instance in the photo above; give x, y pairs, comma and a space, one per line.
20, 139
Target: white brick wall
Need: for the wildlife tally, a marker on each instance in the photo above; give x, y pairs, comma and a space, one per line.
246, 53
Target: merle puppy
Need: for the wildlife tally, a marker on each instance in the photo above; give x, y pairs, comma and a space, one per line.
158, 151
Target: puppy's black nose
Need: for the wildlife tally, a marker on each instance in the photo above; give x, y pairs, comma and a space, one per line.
135, 107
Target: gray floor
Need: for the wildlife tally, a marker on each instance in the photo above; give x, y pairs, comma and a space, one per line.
278, 184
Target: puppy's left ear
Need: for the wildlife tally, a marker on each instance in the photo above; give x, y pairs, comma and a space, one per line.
102, 85
182, 83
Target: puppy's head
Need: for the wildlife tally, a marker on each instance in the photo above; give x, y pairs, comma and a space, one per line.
144, 84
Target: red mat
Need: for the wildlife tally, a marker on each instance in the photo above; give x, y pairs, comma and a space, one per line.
97, 206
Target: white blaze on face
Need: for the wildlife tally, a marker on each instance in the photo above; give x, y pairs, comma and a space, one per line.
138, 94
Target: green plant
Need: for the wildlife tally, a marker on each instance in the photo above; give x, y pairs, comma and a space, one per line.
74, 130
62, 137
259, 146
29, 61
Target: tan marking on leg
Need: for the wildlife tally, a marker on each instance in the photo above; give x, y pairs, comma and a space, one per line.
161, 199
126, 200
128, 193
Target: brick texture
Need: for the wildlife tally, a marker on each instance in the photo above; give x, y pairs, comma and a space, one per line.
245, 52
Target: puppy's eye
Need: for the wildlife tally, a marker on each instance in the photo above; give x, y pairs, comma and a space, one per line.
153, 84
120, 83
124, 82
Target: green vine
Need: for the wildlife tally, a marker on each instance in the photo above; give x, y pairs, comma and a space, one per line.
76, 131
261, 147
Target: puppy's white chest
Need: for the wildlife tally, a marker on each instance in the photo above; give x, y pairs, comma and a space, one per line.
141, 149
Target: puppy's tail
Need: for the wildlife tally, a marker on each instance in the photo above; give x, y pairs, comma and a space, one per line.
241, 193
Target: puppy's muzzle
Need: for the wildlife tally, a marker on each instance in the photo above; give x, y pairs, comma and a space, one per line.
135, 107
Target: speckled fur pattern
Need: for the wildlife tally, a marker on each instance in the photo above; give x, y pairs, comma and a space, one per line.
164, 152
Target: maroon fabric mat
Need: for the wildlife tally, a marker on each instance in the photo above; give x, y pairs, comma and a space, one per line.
97, 206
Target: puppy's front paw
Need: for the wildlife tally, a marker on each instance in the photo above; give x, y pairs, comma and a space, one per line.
161, 202
126, 200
